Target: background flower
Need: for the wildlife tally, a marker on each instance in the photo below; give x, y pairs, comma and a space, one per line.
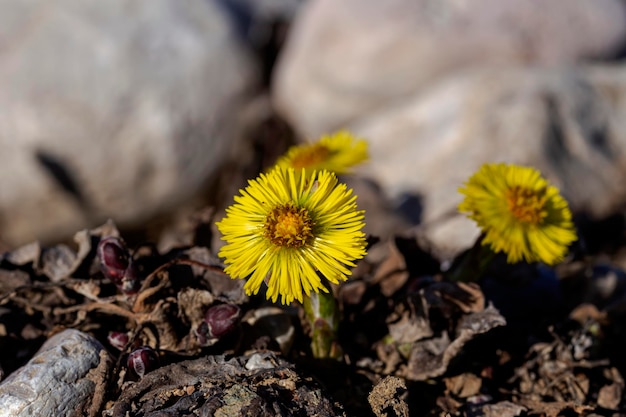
337, 153
285, 227
519, 213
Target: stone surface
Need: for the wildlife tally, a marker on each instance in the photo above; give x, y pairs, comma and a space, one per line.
567, 123
60, 380
260, 384
266, 10
346, 59
116, 109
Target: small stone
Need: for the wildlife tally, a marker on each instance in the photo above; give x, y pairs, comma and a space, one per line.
58, 381
260, 361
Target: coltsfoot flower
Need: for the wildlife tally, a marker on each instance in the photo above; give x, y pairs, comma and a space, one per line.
519, 213
336, 153
285, 227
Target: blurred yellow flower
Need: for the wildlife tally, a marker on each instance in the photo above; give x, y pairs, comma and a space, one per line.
519, 213
285, 227
336, 153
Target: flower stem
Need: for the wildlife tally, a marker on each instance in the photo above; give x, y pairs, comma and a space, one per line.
320, 310
473, 264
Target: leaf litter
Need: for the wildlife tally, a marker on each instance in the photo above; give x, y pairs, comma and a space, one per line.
414, 343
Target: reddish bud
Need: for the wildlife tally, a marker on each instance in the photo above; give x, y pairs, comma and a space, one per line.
117, 264
118, 340
221, 319
218, 321
114, 258
131, 281
143, 360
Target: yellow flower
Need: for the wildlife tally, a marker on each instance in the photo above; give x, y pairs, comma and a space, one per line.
337, 153
519, 213
285, 227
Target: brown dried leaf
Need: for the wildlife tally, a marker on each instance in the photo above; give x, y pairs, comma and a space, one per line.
150, 287
87, 240
60, 261
553, 408
12, 280
463, 385
57, 262
89, 289
193, 303
426, 358
223, 287
162, 319
430, 358
410, 328
503, 409
583, 313
611, 395
24, 255
474, 302
352, 292
413, 323
389, 355
392, 273
449, 405
387, 397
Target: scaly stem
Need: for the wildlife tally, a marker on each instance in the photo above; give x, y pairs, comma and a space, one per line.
474, 263
320, 310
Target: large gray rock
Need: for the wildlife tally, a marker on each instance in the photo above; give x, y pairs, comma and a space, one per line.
127, 105
570, 124
345, 59
60, 380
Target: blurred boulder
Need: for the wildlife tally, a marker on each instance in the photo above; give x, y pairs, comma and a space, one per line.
263, 11
118, 108
567, 123
347, 59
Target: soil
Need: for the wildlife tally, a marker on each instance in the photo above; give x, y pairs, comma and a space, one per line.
522, 340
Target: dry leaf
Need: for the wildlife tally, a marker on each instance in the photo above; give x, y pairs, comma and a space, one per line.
387, 396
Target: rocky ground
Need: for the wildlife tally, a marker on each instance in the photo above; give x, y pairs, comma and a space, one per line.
525, 340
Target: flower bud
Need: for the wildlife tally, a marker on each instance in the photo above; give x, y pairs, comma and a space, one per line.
117, 265
143, 360
218, 321
131, 281
114, 258
221, 319
202, 334
118, 340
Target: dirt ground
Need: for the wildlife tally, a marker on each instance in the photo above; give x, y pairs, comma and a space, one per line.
524, 340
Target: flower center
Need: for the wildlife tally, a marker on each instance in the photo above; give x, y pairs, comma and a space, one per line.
310, 156
288, 226
526, 205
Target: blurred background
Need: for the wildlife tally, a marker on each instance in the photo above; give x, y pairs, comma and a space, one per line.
144, 111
